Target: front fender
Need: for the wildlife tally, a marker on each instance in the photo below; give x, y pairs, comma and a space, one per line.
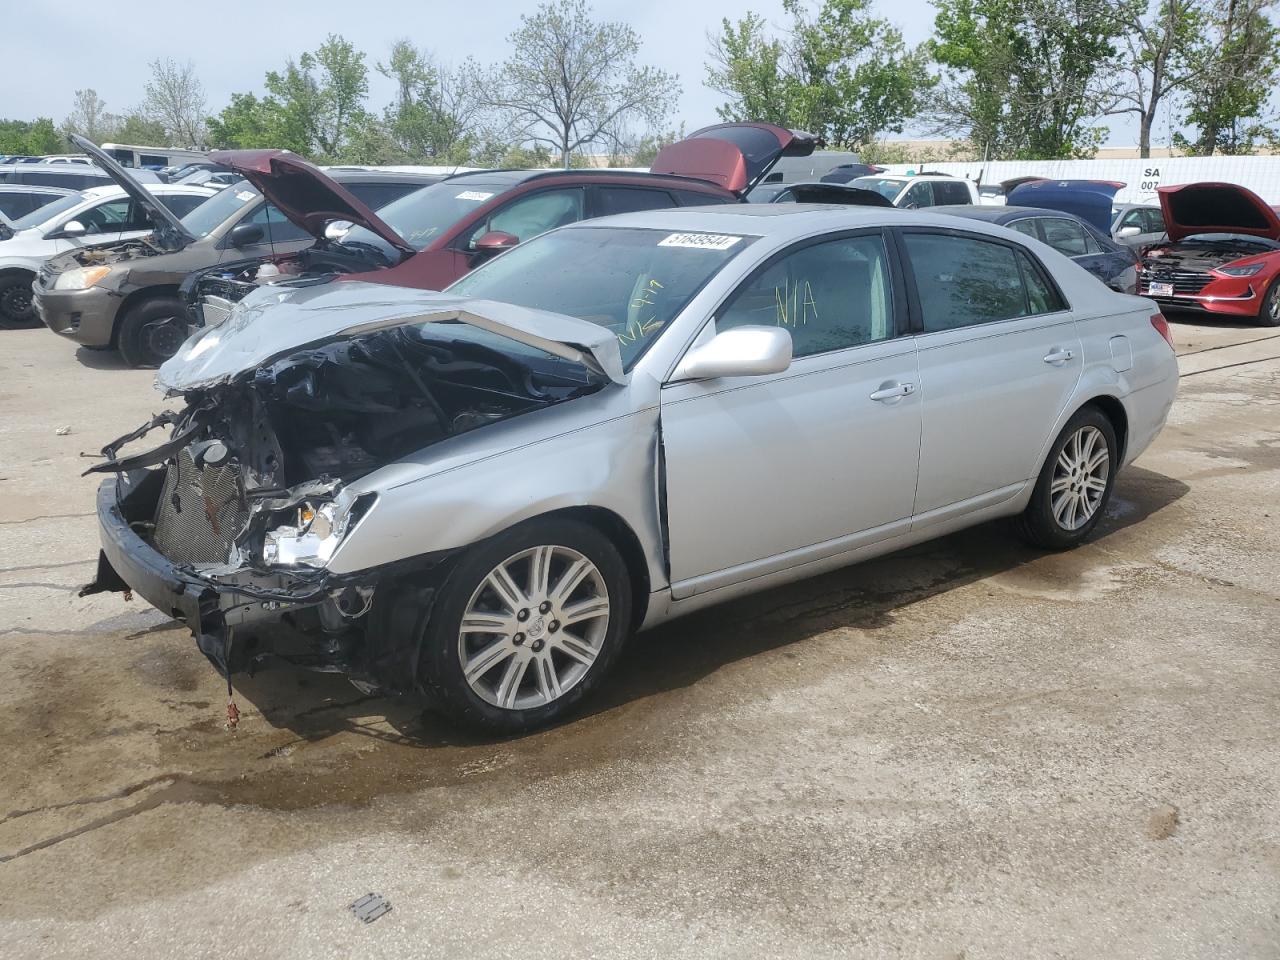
612, 465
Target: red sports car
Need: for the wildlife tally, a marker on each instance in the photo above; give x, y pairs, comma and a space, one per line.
1223, 254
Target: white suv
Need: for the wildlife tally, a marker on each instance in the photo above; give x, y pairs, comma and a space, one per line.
98, 215
921, 190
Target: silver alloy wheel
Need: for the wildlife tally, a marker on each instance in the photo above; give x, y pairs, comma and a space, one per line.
533, 628
1273, 303
1080, 478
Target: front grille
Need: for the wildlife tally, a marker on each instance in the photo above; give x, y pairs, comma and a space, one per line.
1185, 282
200, 512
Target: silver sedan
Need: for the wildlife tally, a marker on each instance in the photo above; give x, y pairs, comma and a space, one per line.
481, 494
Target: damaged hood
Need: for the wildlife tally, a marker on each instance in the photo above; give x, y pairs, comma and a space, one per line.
1192, 208
304, 194
275, 321
167, 225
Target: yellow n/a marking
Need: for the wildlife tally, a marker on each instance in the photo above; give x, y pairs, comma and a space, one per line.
794, 307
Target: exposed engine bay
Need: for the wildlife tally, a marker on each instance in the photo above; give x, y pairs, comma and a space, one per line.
246, 499
1207, 253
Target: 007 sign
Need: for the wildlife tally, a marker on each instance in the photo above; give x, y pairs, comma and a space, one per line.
1150, 180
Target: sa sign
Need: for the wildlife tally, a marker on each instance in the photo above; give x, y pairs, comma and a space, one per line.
1150, 180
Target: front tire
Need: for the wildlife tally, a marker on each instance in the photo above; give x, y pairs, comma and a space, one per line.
527, 624
152, 331
1269, 312
1075, 483
17, 305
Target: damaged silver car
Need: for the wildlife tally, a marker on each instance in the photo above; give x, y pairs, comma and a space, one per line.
480, 494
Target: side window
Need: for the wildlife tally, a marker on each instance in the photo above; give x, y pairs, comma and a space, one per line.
1042, 297
1065, 236
610, 200
533, 214
963, 281
919, 195
829, 295
1027, 226
276, 227
109, 217
1135, 218
182, 204
1155, 221
951, 192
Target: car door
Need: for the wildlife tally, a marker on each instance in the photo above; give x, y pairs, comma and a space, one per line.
999, 359
764, 473
1073, 239
607, 199
279, 235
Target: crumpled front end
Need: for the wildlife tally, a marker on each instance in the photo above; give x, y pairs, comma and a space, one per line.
230, 523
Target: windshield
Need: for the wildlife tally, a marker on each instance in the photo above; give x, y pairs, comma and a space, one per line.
207, 217
48, 212
630, 281
889, 189
423, 215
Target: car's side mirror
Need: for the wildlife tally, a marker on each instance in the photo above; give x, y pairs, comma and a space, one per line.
1128, 232
739, 352
246, 234
73, 228
495, 241
337, 229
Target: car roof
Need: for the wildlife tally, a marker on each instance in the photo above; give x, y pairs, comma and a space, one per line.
1001, 214
783, 221
358, 175
35, 188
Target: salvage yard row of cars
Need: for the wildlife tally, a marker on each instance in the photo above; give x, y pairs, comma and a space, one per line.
465, 440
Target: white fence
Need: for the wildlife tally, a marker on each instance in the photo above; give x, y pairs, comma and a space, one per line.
1141, 177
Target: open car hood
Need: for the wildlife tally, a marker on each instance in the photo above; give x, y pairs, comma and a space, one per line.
1090, 200
275, 321
168, 226
1192, 208
304, 194
735, 156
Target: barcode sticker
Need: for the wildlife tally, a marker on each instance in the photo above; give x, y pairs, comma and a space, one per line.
473, 195
699, 241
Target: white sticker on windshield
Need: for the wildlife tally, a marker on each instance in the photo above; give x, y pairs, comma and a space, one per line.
244, 196
473, 195
699, 241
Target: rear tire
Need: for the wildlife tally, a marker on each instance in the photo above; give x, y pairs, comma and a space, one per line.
1075, 483
152, 331
17, 307
1269, 312
508, 653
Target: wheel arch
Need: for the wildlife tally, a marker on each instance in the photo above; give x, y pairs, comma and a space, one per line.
622, 536
135, 298
1114, 411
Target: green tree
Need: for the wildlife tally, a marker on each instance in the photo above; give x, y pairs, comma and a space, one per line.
1025, 80
136, 127
570, 79
30, 137
316, 102
1234, 71
1157, 66
247, 122
841, 73
433, 114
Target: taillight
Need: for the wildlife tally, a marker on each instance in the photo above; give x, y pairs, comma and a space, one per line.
1162, 327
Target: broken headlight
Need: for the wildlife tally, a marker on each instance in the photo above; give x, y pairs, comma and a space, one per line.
316, 530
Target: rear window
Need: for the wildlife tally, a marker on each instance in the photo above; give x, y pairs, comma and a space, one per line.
889, 189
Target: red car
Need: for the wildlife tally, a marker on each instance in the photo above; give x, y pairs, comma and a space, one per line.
433, 236
1223, 254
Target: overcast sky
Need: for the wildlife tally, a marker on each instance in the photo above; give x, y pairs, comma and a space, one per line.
54, 49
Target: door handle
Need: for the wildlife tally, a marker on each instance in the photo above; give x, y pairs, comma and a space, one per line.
892, 390
1058, 357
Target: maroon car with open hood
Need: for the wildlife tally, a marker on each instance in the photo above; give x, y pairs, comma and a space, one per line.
1223, 254
434, 236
